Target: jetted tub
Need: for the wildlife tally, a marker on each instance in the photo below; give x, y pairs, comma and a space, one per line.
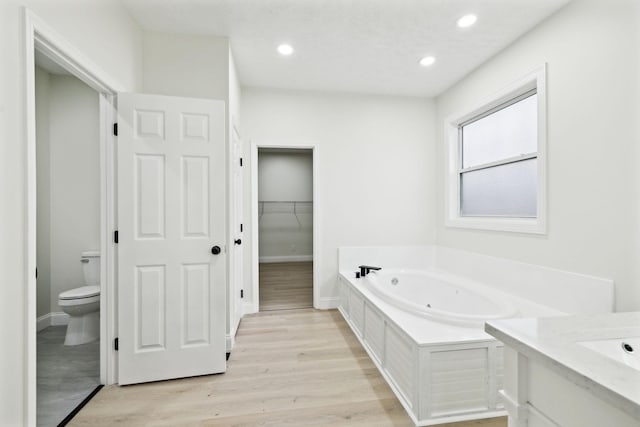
421, 320
430, 295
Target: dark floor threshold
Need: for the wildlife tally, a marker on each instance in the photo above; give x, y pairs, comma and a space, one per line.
77, 409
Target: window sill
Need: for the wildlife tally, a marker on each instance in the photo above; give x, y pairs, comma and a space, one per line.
514, 225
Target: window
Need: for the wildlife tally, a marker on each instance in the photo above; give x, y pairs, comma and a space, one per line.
496, 158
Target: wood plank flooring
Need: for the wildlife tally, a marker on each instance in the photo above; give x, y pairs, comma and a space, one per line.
288, 368
286, 285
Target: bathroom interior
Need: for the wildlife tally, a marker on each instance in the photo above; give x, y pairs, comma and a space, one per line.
442, 285
68, 233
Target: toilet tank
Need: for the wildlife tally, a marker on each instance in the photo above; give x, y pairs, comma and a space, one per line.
91, 267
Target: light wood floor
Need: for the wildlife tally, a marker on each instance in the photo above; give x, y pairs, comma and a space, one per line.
286, 285
288, 368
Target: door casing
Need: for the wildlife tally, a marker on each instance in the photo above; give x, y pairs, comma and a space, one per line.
235, 308
318, 302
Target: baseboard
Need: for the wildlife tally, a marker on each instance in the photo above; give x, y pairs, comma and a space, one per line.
286, 258
43, 322
247, 308
229, 340
327, 303
59, 319
52, 319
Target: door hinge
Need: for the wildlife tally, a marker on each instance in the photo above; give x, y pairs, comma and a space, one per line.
241, 293
115, 129
240, 161
241, 228
115, 344
115, 236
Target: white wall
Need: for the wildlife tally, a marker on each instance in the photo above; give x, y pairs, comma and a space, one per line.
375, 157
103, 31
68, 160
235, 93
591, 48
186, 65
43, 260
74, 196
285, 176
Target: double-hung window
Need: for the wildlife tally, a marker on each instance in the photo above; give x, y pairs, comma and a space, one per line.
496, 158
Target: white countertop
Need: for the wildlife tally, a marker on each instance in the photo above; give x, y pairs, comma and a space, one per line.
553, 342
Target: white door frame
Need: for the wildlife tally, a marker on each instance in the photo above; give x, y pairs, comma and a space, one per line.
234, 301
41, 37
255, 260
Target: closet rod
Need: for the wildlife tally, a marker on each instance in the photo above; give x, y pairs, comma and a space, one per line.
293, 202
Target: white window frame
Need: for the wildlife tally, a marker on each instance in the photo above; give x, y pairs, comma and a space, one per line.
538, 225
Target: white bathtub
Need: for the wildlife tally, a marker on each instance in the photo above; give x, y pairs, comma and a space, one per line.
433, 296
425, 333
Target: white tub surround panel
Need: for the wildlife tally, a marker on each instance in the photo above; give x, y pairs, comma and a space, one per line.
553, 379
561, 290
416, 257
552, 288
441, 372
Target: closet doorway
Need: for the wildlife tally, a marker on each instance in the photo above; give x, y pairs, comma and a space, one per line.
285, 200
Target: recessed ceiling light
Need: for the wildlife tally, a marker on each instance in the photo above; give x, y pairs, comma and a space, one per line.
285, 49
427, 60
467, 21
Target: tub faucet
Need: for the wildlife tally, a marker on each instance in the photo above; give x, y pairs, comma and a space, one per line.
366, 269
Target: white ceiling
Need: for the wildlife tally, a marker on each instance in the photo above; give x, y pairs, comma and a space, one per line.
366, 46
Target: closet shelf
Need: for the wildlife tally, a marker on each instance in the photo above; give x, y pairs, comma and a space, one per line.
293, 207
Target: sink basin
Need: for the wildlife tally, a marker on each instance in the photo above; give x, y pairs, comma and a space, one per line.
622, 350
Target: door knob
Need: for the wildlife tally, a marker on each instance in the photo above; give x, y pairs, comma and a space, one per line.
237, 242
215, 250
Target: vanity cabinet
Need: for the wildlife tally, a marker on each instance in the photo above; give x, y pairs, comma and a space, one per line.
554, 378
536, 395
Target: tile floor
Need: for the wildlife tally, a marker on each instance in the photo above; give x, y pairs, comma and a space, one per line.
65, 374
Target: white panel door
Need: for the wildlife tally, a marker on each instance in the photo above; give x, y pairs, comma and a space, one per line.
237, 287
171, 213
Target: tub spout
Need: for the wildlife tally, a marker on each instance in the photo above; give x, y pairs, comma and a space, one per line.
366, 269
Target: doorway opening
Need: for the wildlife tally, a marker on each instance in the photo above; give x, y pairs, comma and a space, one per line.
68, 241
49, 47
285, 211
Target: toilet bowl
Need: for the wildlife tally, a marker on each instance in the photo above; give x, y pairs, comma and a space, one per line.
83, 304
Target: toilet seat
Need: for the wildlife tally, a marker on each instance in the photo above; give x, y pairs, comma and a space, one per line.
80, 293
79, 301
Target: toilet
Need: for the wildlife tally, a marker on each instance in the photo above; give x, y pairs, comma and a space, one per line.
83, 304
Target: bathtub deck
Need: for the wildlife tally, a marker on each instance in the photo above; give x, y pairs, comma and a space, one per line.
436, 378
289, 368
